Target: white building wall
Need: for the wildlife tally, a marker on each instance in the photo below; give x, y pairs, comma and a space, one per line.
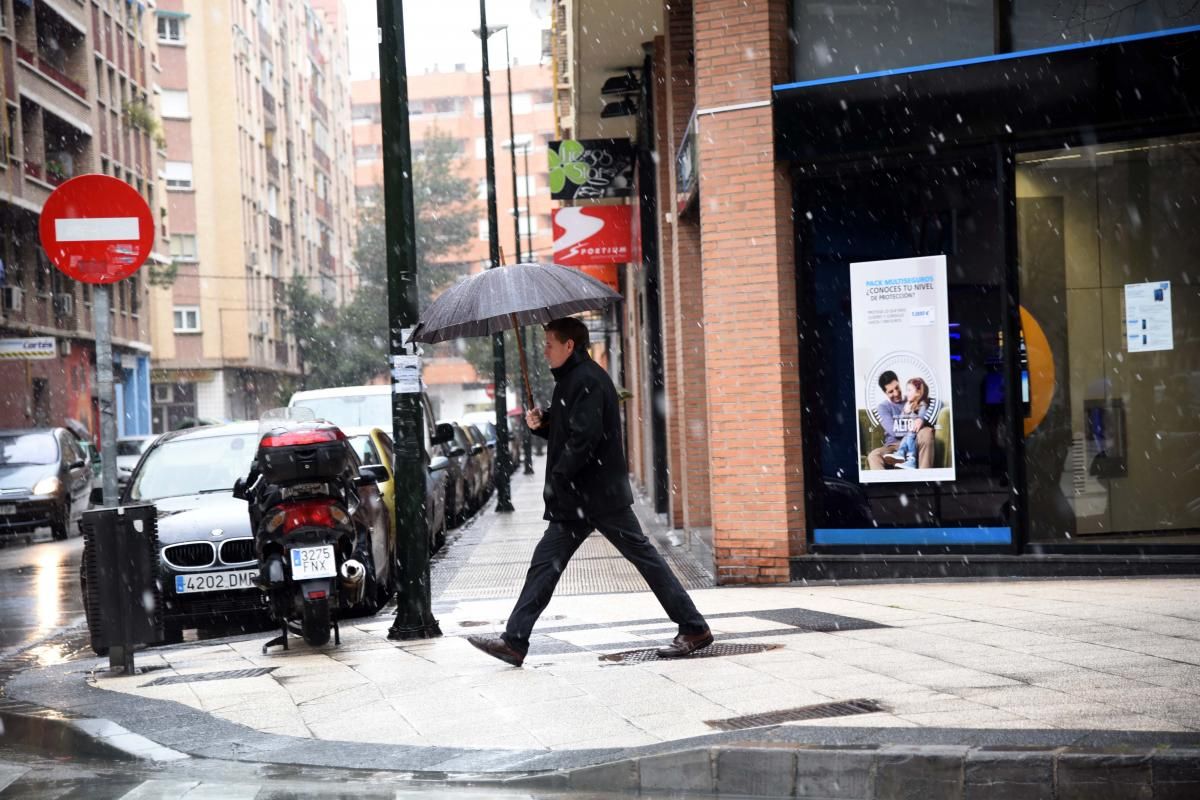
211, 400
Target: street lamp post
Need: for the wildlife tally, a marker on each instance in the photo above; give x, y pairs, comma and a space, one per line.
414, 609
503, 494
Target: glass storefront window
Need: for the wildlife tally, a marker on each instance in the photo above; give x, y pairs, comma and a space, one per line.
1037, 23
832, 39
1110, 289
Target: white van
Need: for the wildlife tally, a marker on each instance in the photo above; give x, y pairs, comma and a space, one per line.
349, 407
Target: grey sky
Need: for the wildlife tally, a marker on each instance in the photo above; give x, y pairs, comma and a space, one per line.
438, 34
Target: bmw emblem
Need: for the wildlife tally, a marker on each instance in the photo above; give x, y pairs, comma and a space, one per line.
217, 532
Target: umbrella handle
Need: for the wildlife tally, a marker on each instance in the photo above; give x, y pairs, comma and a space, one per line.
524, 366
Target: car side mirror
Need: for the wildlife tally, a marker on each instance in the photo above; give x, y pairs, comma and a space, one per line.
438, 463
239, 489
375, 473
457, 451
476, 449
80, 464
443, 432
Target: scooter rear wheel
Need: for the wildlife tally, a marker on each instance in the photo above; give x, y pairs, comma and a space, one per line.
315, 624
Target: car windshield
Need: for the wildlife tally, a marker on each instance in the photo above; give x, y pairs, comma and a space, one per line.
365, 448
352, 411
193, 466
28, 448
132, 447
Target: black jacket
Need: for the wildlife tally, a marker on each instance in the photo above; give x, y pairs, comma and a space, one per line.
586, 473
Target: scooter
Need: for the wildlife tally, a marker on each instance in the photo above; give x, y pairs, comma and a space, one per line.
302, 499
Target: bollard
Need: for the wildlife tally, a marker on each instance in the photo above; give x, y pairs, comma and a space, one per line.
123, 595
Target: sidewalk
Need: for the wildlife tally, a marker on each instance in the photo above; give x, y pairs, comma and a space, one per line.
862, 681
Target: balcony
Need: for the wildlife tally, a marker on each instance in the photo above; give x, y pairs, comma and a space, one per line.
281, 354
268, 101
273, 167
325, 261
320, 157
323, 209
276, 227
318, 104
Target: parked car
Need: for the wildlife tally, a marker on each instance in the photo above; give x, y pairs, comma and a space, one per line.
206, 547
458, 483
45, 481
375, 447
473, 464
487, 455
129, 452
359, 409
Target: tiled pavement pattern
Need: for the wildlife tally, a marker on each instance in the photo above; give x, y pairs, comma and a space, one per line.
1106, 655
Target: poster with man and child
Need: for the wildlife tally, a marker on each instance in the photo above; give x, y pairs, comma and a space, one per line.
902, 370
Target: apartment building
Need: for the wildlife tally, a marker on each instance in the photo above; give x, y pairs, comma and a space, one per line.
76, 96
256, 112
452, 103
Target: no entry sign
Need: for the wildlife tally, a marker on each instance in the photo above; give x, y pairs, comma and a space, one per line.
96, 229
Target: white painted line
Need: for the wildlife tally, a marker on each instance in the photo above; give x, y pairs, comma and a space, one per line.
97, 229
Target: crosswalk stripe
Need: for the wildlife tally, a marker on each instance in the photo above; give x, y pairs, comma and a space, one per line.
8, 775
161, 790
224, 791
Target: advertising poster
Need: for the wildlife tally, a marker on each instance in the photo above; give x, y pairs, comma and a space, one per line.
1148, 317
899, 313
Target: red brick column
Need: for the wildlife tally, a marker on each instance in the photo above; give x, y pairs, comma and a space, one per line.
685, 331
749, 292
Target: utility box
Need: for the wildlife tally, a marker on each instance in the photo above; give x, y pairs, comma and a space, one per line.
122, 595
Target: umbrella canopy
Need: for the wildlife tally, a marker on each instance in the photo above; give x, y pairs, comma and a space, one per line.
506, 297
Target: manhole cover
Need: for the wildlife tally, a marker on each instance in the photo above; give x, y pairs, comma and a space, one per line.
845, 708
712, 651
228, 675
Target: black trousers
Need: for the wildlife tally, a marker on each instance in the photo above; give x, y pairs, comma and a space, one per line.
560, 542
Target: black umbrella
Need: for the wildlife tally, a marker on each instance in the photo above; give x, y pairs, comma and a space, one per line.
506, 298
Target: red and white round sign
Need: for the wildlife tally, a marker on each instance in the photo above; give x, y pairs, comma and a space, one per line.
97, 229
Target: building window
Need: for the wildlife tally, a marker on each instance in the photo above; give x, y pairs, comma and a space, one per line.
183, 246
483, 230
187, 319
178, 174
522, 103
175, 104
170, 30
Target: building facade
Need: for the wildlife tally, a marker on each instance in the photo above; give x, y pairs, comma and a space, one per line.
255, 106
786, 147
77, 95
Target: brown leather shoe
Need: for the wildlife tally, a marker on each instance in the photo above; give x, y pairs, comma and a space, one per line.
685, 644
496, 647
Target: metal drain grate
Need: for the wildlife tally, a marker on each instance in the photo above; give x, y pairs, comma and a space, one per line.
712, 651
228, 675
845, 708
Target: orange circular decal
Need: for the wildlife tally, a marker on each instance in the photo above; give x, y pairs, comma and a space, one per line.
1041, 371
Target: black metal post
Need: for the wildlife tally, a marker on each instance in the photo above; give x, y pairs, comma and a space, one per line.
528, 205
414, 612
503, 494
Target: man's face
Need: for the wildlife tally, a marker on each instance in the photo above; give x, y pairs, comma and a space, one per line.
892, 390
557, 350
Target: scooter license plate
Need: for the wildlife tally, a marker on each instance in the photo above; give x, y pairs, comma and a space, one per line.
313, 562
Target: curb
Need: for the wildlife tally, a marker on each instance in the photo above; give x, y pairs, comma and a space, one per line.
929, 772
51, 732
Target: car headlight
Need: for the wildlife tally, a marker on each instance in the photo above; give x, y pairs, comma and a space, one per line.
48, 486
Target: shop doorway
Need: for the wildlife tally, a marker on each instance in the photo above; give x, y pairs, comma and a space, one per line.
953, 208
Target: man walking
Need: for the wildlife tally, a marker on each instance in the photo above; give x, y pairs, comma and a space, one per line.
587, 488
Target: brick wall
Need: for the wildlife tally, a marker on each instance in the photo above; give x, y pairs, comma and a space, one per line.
749, 294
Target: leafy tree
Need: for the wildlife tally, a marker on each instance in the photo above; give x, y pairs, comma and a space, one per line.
349, 345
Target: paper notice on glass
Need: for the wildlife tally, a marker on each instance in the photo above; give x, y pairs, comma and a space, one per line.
1148, 317
406, 374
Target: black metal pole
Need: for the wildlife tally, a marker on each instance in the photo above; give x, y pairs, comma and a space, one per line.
503, 495
512, 153
414, 612
528, 205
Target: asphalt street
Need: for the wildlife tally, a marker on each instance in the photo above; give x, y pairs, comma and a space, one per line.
39, 590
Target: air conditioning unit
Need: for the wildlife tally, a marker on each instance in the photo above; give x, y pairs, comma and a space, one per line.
264, 327
12, 298
64, 347
64, 305
252, 258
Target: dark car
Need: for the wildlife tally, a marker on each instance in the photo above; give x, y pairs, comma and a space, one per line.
458, 484
476, 465
45, 481
206, 547
487, 455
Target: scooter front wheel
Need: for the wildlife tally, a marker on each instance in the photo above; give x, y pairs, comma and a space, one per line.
315, 623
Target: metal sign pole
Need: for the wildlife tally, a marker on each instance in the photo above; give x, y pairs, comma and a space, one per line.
104, 377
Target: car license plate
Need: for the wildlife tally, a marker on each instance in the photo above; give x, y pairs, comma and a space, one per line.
7, 510
313, 562
215, 581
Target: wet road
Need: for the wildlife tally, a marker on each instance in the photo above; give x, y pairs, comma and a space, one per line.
39, 590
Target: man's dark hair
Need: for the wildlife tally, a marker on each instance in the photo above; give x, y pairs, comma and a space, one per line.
887, 377
569, 328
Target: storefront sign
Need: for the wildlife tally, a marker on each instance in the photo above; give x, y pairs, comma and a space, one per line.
605, 273
590, 169
592, 235
1148, 317
899, 313
38, 348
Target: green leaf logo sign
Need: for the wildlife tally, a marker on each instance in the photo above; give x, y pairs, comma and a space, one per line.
567, 165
